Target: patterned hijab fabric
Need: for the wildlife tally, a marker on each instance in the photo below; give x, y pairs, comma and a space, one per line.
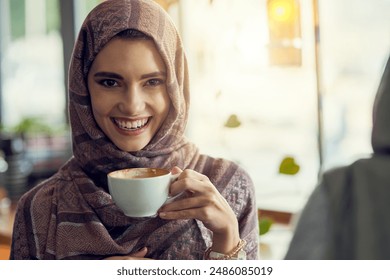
90, 145
72, 216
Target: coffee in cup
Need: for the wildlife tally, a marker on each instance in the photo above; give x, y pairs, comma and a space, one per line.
140, 192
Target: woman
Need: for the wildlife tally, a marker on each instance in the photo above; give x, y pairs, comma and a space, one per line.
128, 105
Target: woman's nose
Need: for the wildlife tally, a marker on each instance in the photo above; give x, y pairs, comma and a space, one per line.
132, 102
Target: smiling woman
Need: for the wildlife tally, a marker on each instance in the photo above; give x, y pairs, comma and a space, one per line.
128, 91
128, 107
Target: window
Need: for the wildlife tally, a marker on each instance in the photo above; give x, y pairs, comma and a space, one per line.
32, 62
274, 109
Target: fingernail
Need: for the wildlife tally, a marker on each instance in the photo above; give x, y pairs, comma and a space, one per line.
162, 214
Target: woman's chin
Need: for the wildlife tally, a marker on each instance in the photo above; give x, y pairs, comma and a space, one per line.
132, 145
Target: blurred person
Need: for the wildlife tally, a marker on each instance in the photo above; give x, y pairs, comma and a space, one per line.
346, 216
128, 107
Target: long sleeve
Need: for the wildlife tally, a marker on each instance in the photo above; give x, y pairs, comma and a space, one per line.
246, 211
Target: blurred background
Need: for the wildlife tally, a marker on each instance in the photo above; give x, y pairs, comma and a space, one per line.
283, 87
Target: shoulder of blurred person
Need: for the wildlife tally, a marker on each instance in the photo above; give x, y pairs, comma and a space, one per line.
345, 216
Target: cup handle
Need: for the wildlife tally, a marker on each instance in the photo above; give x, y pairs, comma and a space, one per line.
174, 177
171, 198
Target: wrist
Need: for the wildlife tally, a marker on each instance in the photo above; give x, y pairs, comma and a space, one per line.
237, 253
224, 242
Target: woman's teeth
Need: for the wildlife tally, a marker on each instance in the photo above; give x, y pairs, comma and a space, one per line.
131, 125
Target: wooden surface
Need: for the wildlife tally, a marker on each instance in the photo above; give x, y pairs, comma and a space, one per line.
276, 216
6, 226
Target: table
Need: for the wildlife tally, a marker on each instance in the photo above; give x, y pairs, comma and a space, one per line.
274, 244
7, 215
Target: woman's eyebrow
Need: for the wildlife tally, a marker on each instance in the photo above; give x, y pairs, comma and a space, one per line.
154, 74
108, 75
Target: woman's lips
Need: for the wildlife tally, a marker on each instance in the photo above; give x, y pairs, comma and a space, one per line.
128, 124
131, 126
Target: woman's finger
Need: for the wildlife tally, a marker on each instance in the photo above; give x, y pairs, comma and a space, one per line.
183, 204
140, 255
176, 170
201, 201
190, 185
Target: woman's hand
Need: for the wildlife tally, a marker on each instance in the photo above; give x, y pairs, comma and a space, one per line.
202, 201
140, 255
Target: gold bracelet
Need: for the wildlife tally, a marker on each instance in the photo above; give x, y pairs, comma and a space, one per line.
241, 244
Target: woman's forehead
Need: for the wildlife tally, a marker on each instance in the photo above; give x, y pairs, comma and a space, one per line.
124, 54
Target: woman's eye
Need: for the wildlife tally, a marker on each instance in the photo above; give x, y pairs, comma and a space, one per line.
108, 83
154, 82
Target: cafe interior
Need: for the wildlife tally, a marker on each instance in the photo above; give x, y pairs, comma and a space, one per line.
285, 88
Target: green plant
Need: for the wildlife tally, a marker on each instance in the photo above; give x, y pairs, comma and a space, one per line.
265, 225
32, 125
288, 166
232, 121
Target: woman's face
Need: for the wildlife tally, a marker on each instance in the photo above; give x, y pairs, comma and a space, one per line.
127, 84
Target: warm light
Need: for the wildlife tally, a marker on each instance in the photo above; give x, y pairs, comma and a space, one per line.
281, 10
284, 32
166, 4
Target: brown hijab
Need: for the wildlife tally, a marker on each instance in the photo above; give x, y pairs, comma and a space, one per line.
72, 216
94, 152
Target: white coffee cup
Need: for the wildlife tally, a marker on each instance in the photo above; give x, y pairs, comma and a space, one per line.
140, 192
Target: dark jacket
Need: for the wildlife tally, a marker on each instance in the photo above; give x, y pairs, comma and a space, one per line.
347, 215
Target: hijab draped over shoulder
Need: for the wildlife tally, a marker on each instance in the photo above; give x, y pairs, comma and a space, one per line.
71, 215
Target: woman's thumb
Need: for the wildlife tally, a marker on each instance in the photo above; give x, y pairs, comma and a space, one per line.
176, 170
141, 253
